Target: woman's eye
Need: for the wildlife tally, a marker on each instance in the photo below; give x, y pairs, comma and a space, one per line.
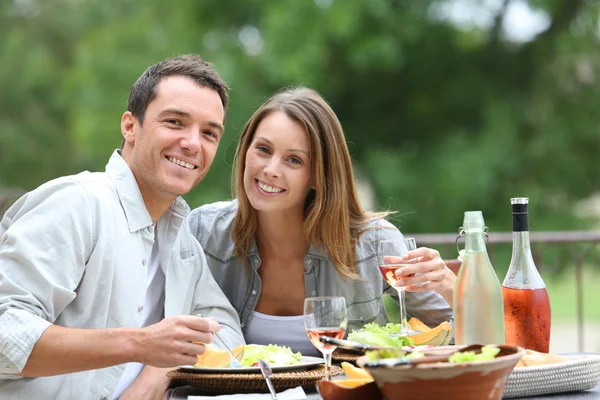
262, 149
296, 160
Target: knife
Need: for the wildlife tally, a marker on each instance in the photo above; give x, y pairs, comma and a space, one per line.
350, 345
267, 373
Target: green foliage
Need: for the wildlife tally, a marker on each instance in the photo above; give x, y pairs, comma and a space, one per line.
440, 119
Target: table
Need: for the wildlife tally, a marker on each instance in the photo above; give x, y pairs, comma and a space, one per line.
181, 393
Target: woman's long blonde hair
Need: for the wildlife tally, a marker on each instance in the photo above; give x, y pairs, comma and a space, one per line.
334, 218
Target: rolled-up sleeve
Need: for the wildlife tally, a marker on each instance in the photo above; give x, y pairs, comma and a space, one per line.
210, 301
45, 239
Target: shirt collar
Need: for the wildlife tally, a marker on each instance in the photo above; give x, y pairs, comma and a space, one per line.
136, 213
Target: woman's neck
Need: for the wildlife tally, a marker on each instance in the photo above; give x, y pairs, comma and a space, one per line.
281, 235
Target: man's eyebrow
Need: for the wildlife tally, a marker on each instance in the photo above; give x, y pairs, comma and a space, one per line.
216, 125
292, 150
170, 111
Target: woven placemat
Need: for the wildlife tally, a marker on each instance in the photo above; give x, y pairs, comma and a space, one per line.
249, 383
340, 355
577, 373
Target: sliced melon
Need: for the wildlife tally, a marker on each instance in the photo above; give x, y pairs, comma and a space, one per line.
351, 383
355, 373
217, 358
418, 325
438, 336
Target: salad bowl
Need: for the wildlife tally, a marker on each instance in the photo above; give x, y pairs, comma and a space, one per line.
465, 380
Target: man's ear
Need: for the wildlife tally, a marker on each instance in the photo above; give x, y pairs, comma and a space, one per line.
128, 124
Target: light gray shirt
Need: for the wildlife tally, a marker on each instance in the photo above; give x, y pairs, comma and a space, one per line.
74, 253
212, 223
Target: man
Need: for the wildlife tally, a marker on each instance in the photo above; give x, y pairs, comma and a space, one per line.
98, 270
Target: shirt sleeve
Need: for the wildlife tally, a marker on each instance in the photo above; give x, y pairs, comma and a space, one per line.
45, 240
210, 301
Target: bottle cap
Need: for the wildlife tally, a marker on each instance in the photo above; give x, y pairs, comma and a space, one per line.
473, 220
519, 200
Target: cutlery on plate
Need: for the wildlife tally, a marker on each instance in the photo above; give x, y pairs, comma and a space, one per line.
234, 362
350, 345
267, 373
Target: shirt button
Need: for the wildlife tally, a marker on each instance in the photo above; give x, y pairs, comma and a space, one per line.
254, 292
140, 308
309, 261
256, 261
242, 324
362, 318
314, 292
144, 261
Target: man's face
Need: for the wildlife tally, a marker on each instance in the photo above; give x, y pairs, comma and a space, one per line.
174, 148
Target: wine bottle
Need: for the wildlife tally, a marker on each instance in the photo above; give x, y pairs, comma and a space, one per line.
478, 306
527, 314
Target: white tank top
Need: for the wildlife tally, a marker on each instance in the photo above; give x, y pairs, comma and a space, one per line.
283, 331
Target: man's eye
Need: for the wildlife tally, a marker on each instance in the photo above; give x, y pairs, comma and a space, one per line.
211, 133
174, 122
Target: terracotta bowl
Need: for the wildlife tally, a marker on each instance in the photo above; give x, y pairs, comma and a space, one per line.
443, 380
330, 391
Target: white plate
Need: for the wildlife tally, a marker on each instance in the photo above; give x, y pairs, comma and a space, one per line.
305, 363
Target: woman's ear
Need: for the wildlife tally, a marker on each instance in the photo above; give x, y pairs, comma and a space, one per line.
128, 123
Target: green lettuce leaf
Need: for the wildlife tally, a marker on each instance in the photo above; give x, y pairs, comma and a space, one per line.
487, 353
272, 354
377, 335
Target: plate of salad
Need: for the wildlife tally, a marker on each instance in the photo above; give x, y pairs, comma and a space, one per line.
279, 358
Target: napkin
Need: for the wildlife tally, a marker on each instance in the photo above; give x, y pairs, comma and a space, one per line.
296, 393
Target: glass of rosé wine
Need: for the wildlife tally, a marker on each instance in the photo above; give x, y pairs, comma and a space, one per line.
388, 270
325, 316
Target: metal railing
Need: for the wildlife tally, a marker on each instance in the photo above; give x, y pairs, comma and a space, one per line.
578, 243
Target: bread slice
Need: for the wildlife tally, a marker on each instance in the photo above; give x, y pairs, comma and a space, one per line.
533, 358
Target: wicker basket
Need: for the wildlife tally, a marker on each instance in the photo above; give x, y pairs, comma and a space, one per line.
216, 383
340, 355
578, 373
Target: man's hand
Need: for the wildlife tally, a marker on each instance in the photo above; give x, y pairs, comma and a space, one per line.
151, 384
174, 341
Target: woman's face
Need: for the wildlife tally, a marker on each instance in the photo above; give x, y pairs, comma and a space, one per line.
277, 174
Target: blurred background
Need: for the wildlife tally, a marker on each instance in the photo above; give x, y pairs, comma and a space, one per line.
447, 106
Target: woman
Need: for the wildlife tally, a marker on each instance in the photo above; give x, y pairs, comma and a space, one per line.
297, 229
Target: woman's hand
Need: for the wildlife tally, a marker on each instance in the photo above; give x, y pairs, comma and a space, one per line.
432, 273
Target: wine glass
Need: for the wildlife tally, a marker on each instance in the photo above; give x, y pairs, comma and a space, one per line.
388, 270
325, 316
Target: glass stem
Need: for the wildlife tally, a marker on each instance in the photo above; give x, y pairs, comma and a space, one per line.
327, 357
403, 322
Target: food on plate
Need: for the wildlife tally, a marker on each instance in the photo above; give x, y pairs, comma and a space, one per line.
355, 373
418, 325
487, 353
533, 358
438, 336
351, 383
214, 357
377, 335
272, 354
376, 355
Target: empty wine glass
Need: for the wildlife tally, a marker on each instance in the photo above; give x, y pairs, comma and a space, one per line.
388, 270
325, 316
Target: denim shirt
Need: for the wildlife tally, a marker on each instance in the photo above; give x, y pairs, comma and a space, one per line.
212, 223
74, 252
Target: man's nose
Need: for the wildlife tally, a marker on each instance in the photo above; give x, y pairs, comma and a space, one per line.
191, 142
